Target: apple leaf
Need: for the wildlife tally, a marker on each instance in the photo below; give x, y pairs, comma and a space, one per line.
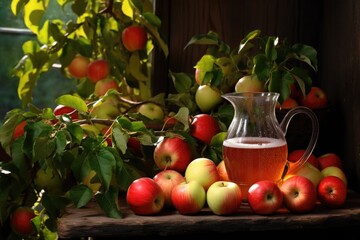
182, 82
211, 38
80, 195
108, 202
72, 101
103, 161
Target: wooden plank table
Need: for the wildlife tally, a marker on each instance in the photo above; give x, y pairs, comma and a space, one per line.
90, 221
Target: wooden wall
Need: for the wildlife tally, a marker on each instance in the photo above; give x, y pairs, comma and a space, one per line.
331, 26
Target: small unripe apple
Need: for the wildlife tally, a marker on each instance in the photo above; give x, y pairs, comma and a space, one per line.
207, 97
151, 111
249, 83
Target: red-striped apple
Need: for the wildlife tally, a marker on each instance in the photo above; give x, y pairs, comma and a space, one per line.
300, 194
173, 153
265, 197
188, 197
204, 127
222, 171
78, 67
167, 180
329, 159
224, 197
202, 170
296, 154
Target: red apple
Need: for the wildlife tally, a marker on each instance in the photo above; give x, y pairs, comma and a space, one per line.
145, 197
62, 109
329, 159
188, 197
97, 70
20, 221
102, 86
334, 171
249, 83
222, 171
203, 127
265, 197
300, 194
288, 103
224, 197
207, 97
19, 130
332, 192
173, 153
79, 66
167, 180
295, 155
315, 99
134, 146
202, 170
134, 38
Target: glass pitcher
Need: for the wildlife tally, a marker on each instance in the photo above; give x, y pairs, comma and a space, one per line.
255, 147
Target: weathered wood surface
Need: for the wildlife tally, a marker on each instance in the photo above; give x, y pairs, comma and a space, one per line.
91, 221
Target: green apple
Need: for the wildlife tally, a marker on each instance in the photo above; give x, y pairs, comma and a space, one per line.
334, 171
207, 97
309, 171
90, 129
152, 111
249, 83
224, 197
49, 180
104, 110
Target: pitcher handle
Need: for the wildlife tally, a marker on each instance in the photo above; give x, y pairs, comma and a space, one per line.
293, 166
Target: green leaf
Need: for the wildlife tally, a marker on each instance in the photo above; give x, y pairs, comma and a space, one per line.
76, 132
246, 40
211, 38
152, 19
270, 48
182, 82
103, 162
80, 195
17, 5
262, 67
60, 141
306, 54
79, 7
120, 139
33, 12
108, 203
72, 101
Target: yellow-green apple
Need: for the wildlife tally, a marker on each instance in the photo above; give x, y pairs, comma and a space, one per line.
104, 109
309, 171
296, 154
224, 197
145, 197
49, 180
90, 129
188, 197
332, 192
62, 109
19, 130
173, 153
167, 180
329, 159
134, 37
300, 194
314, 99
20, 221
78, 67
222, 171
207, 97
202, 170
334, 171
204, 127
249, 83
97, 70
104, 85
264, 197
152, 111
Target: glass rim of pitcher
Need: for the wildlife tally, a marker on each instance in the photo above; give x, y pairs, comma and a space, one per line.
253, 94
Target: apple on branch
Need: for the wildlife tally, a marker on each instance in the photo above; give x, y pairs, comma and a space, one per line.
167, 180
78, 67
97, 70
224, 197
315, 99
188, 197
173, 153
204, 127
145, 197
152, 111
134, 37
300, 194
19, 130
104, 85
202, 170
20, 221
265, 197
207, 97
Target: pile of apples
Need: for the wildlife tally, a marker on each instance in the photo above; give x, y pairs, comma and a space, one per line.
200, 183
